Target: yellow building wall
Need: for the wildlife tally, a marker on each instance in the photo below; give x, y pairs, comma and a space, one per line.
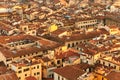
96, 57
98, 77
114, 31
52, 28
44, 73
22, 74
32, 70
64, 48
25, 28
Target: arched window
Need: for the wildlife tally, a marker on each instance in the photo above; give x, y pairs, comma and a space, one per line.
68, 45
73, 45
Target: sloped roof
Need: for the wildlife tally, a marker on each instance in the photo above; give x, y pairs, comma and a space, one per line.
30, 78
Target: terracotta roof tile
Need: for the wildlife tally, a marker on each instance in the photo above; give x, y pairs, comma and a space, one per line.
45, 59
113, 75
30, 78
66, 54
71, 72
8, 39
9, 75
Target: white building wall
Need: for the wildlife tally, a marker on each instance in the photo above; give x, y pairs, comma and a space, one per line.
60, 77
2, 58
85, 23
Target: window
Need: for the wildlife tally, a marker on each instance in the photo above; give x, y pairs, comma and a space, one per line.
52, 63
98, 62
19, 71
37, 67
38, 73
25, 74
102, 78
58, 62
8, 59
60, 49
80, 41
24, 55
63, 60
103, 63
77, 48
109, 65
25, 29
58, 77
87, 62
72, 44
115, 66
34, 73
19, 78
19, 67
16, 44
33, 32
27, 69
76, 43
20, 43
68, 45
44, 51
52, 76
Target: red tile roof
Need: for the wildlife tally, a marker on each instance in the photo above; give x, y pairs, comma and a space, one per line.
8, 39
5, 26
3, 69
30, 78
9, 75
48, 43
58, 32
113, 75
45, 59
44, 45
66, 54
48, 79
88, 35
71, 72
